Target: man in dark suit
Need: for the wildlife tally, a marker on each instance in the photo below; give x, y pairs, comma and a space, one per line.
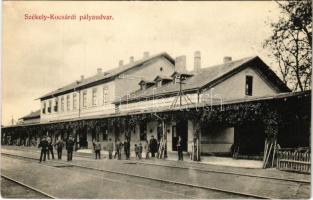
44, 146
180, 149
59, 146
127, 148
153, 146
69, 148
50, 148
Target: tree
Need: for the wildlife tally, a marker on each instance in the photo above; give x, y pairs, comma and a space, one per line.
291, 43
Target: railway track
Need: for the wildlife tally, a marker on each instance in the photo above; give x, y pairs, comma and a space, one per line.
215, 171
244, 195
231, 173
45, 195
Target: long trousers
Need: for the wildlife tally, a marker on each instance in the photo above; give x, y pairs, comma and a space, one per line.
180, 153
50, 149
127, 153
110, 154
59, 154
43, 155
97, 154
69, 155
152, 154
118, 153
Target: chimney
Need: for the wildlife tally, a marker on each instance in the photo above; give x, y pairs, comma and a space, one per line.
180, 63
227, 59
82, 77
131, 59
146, 54
197, 61
99, 71
120, 63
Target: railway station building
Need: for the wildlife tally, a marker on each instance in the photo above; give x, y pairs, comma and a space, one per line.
230, 109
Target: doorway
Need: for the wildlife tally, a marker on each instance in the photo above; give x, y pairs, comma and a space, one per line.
83, 144
181, 129
250, 139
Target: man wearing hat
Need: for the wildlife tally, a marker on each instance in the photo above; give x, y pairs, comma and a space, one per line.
69, 148
110, 148
153, 146
44, 146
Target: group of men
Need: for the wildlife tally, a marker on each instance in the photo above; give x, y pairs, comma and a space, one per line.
110, 147
46, 146
149, 147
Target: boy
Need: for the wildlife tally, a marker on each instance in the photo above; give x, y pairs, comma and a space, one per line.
136, 151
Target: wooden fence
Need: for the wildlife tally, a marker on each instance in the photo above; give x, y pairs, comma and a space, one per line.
296, 160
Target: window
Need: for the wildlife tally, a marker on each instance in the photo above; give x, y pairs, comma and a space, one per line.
143, 131
94, 96
68, 102
62, 104
44, 108
49, 106
105, 96
176, 79
249, 85
159, 83
56, 105
74, 101
85, 98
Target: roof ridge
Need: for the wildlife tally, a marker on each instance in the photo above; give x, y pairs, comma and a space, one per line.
246, 59
195, 79
107, 74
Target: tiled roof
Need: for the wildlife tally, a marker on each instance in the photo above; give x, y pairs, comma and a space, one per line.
32, 115
160, 77
205, 77
145, 81
105, 76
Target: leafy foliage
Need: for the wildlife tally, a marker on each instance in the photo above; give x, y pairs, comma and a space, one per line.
291, 43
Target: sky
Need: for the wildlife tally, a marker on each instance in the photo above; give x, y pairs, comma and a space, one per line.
41, 56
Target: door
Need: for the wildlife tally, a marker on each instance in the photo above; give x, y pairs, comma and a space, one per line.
181, 129
83, 137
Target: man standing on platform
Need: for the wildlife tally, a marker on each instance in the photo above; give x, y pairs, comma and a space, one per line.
59, 146
69, 148
180, 149
118, 149
44, 146
50, 147
110, 148
127, 148
97, 146
153, 146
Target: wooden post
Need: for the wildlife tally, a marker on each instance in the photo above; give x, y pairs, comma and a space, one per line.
265, 151
274, 152
268, 154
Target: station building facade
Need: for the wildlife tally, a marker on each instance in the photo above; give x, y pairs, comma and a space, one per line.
219, 109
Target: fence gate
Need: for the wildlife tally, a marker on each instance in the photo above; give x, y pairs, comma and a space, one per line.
296, 160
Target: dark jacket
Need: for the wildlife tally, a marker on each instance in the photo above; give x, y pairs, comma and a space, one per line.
70, 145
153, 145
126, 145
43, 144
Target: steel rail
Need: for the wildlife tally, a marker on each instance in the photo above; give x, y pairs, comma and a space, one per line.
232, 173
217, 171
157, 179
28, 186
